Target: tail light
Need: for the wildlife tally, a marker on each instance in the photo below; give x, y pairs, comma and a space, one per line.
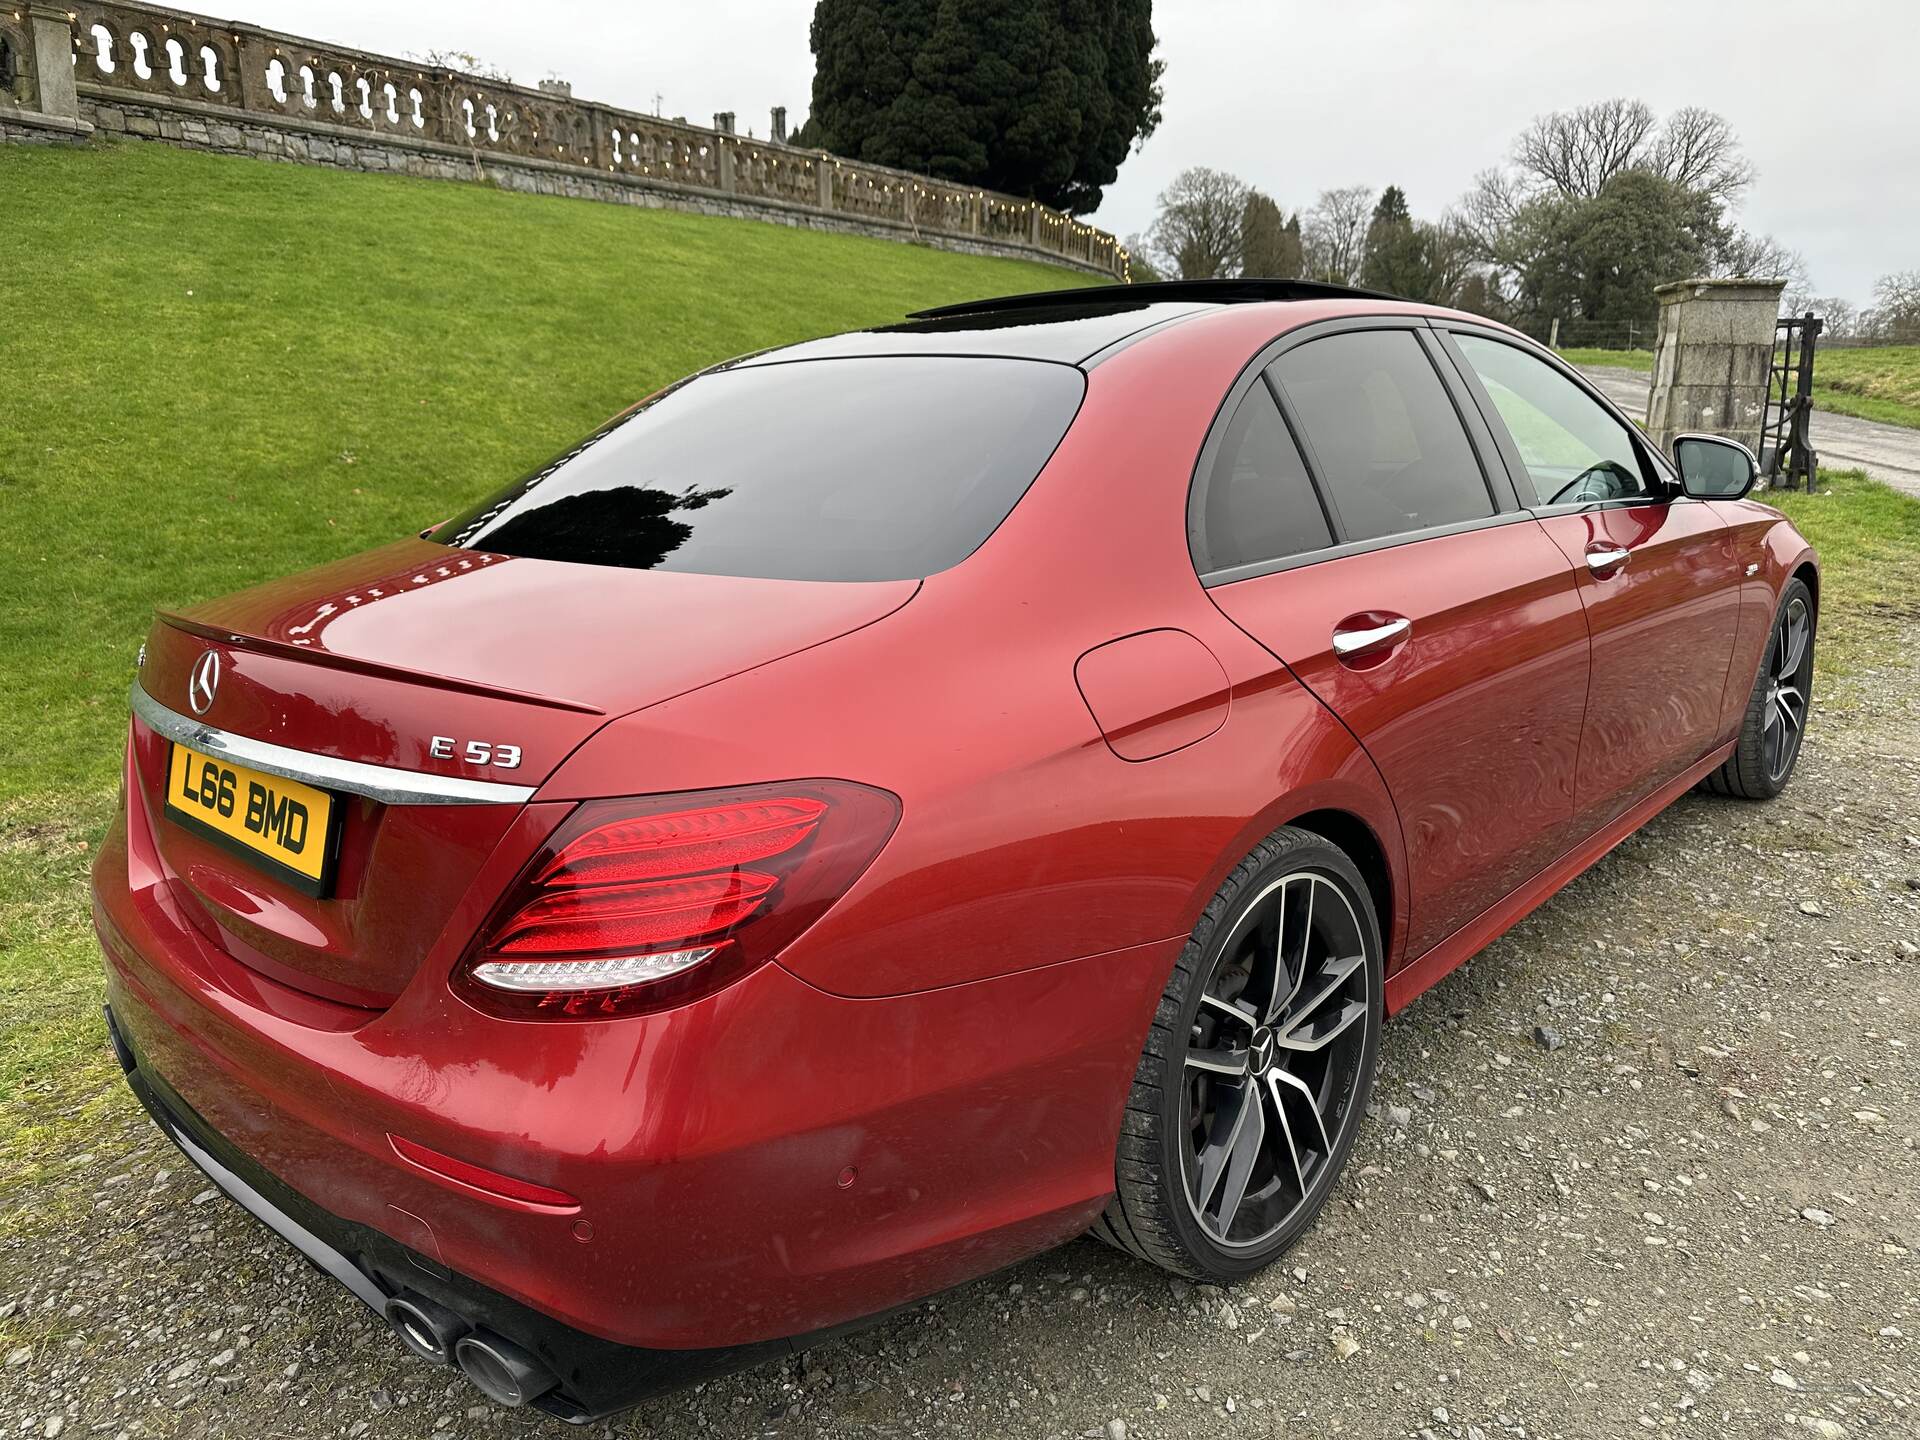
635, 905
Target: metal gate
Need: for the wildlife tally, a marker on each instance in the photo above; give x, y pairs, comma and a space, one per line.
1786, 451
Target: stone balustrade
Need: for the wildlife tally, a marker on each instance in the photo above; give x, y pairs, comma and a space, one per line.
184, 79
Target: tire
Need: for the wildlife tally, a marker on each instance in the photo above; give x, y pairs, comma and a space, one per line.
1775, 722
1185, 1130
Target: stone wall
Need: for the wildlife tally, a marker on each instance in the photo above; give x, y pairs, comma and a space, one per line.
181, 79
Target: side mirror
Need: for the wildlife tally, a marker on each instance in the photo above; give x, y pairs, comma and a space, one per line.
1713, 467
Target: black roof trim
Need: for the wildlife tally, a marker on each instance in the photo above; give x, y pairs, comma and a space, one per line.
1209, 292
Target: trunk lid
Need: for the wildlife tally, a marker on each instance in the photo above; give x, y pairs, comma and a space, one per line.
370, 659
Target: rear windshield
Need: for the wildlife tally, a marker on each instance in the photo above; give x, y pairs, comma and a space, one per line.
886, 468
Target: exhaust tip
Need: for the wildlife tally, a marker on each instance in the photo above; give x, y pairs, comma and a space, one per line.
506, 1374
428, 1329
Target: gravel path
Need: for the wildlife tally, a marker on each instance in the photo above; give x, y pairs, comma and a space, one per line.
1647, 1165
1889, 453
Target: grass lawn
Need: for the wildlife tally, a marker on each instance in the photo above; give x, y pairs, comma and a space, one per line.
215, 370
218, 370
1868, 536
1880, 382
1876, 383
1641, 360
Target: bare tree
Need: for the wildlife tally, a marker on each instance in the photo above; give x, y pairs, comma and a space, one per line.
464, 61
1743, 253
1896, 306
1527, 214
1842, 317
1335, 234
1455, 251
1140, 258
1196, 235
1698, 149
1577, 151
1487, 212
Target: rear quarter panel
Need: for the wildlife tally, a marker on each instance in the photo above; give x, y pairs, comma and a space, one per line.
1024, 839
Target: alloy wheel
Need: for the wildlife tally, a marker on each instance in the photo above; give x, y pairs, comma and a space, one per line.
1788, 687
1273, 1059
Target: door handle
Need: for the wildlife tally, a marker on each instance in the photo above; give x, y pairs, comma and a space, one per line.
1349, 643
1605, 560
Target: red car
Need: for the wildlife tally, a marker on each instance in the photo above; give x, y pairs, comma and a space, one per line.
883, 807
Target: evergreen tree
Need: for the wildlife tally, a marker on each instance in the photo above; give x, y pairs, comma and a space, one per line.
1403, 256
1036, 99
1391, 208
1269, 241
1598, 259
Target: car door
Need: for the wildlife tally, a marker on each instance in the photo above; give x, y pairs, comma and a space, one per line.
1400, 582
1655, 570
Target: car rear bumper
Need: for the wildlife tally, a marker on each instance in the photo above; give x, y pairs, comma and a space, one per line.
767, 1163
594, 1377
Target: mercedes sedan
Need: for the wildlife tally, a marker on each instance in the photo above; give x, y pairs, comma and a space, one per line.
881, 808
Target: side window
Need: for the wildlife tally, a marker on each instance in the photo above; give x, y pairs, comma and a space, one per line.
1256, 502
1385, 439
1572, 448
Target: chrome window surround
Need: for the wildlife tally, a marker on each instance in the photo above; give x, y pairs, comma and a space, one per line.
385, 783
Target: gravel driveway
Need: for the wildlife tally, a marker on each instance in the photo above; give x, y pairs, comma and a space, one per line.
1647, 1165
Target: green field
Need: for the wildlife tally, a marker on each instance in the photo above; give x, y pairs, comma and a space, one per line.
1875, 383
1641, 360
1880, 382
218, 370
1868, 536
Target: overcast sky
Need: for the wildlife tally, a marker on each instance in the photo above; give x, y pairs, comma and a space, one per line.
1300, 97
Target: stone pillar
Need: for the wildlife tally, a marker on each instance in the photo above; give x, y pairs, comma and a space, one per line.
1711, 358
823, 180
52, 103
723, 162
777, 128
600, 133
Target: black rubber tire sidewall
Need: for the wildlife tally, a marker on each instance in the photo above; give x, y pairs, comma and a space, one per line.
1744, 773
1150, 1216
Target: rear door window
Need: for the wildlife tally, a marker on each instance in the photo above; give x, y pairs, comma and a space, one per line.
1255, 502
885, 468
1385, 439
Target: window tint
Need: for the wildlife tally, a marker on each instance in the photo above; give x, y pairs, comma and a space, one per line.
1572, 448
1385, 439
1256, 502
855, 469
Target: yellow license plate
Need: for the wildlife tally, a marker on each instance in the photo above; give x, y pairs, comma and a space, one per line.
280, 824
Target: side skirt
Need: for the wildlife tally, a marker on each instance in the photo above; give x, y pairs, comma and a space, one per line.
1414, 979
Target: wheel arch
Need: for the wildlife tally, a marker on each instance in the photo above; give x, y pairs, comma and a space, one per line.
1355, 838
1808, 574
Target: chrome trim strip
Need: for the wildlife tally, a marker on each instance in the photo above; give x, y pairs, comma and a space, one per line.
387, 784
282, 1224
1254, 569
